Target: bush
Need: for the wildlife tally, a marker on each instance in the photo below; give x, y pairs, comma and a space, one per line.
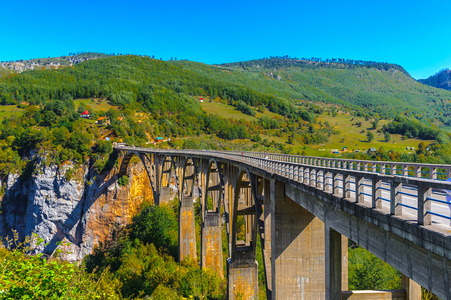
24, 276
123, 181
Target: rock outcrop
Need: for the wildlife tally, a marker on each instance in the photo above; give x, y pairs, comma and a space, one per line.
84, 211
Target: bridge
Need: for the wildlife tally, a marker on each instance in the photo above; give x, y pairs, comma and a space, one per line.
304, 210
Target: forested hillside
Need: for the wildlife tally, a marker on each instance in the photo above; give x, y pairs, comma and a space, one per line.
440, 80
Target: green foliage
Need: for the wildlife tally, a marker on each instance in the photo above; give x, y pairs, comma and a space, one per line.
157, 225
367, 272
369, 136
24, 276
386, 136
244, 108
123, 180
142, 259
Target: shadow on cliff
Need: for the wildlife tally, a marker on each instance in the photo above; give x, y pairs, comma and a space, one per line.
13, 206
101, 186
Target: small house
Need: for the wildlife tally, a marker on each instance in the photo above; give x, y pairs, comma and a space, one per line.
85, 114
201, 99
372, 150
103, 121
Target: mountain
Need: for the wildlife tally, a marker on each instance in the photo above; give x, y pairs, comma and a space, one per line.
440, 80
368, 87
47, 63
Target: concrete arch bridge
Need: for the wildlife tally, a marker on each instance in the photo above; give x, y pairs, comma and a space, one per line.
303, 210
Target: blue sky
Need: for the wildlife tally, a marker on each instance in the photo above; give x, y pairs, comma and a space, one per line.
413, 34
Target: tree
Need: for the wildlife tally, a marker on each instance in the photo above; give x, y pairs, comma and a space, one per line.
369, 136
387, 136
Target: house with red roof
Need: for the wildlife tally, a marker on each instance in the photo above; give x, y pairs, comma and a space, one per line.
85, 114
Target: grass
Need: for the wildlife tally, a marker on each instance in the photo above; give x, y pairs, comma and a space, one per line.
352, 137
10, 110
94, 104
230, 112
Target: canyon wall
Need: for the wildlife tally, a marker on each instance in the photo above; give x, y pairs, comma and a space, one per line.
84, 210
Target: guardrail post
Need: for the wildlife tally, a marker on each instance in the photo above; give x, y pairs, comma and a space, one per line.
313, 177
319, 184
336, 187
306, 176
376, 193
393, 169
347, 187
424, 204
433, 173
327, 186
395, 198
405, 170
359, 189
417, 172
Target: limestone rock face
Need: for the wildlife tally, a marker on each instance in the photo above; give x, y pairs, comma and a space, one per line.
83, 211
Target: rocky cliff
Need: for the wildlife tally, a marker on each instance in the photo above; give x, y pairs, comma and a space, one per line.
84, 210
48, 63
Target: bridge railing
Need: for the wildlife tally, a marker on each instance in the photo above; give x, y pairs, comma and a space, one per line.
405, 169
405, 195
398, 187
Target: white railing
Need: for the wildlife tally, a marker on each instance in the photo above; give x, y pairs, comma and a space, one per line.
398, 187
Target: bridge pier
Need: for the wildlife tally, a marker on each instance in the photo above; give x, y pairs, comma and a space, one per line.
242, 280
165, 194
336, 275
212, 244
187, 230
298, 249
413, 289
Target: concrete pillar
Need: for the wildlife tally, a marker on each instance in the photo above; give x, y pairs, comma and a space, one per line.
187, 230
413, 289
212, 244
336, 264
298, 249
165, 194
268, 214
242, 283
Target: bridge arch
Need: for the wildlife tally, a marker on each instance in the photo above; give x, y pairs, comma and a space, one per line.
167, 174
244, 219
147, 160
212, 209
187, 228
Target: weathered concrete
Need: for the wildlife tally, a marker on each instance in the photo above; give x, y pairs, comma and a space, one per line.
413, 289
298, 250
336, 247
187, 230
212, 244
358, 223
242, 283
376, 295
165, 194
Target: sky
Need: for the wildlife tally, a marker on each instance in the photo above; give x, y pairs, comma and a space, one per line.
414, 34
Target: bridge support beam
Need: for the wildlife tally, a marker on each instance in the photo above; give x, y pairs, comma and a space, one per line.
298, 249
212, 244
187, 230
